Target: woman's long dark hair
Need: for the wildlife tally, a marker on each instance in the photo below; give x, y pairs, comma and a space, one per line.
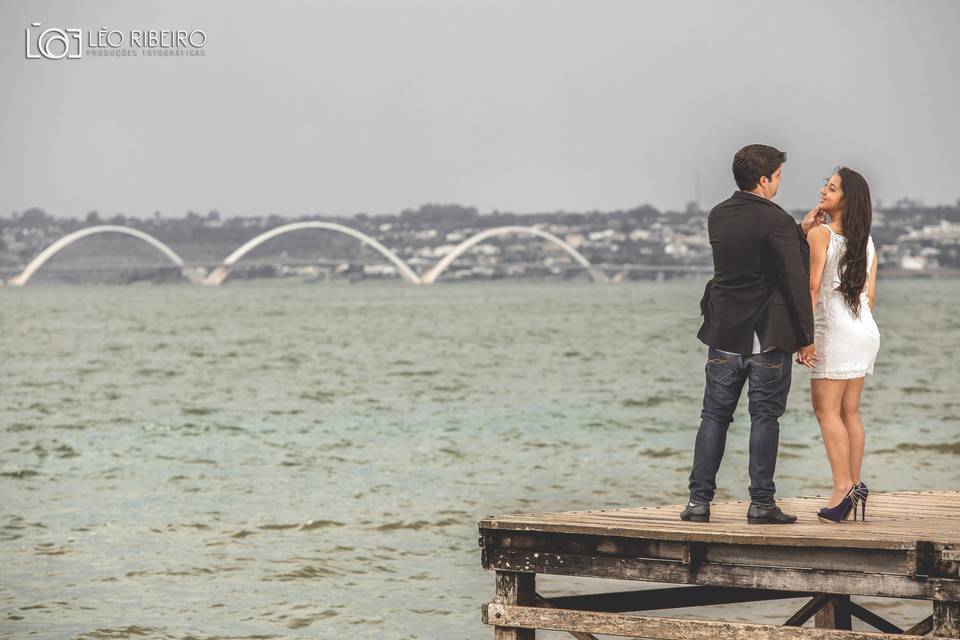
857, 218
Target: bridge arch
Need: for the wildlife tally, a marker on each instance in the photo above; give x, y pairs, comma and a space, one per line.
431, 276
218, 275
28, 271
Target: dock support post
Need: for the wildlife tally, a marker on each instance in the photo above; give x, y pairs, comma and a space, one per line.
946, 619
835, 614
515, 588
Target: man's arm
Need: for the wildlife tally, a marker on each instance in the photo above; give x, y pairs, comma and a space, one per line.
794, 283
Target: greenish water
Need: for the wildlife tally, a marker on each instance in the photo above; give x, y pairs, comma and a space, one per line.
275, 459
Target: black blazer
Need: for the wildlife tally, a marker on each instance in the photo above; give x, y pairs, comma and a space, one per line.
761, 266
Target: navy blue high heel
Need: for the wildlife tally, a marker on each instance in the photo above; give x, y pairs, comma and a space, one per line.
861, 492
839, 513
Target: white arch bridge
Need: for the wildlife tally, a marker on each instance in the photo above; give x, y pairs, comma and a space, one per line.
222, 271
218, 275
61, 244
433, 273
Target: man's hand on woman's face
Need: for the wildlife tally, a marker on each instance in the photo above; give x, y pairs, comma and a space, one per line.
814, 218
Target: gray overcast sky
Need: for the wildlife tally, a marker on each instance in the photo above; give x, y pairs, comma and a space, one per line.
340, 107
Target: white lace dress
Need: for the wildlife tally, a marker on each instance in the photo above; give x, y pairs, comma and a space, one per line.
847, 345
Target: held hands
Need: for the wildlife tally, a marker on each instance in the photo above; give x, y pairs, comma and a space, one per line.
814, 218
807, 356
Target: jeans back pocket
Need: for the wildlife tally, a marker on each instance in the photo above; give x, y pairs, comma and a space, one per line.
767, 368
721, 367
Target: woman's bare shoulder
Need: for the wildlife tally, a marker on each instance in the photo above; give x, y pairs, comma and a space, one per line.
818, 235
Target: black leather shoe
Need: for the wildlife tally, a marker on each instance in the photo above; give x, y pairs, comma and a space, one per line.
757, 514
696, 513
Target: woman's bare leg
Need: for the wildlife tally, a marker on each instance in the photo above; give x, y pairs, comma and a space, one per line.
827, 397
850, 414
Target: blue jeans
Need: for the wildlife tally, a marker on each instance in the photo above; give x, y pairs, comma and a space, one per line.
769, 375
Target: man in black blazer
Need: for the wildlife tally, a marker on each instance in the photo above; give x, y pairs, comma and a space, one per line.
756, 314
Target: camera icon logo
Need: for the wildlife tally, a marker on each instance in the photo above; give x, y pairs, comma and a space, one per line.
53, 43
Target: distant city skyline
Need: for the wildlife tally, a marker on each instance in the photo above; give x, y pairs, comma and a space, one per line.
373, 106
421, 245
103, 217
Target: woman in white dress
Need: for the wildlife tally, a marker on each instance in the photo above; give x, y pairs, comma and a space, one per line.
843, 280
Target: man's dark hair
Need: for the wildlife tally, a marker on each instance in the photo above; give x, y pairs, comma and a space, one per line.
753, 161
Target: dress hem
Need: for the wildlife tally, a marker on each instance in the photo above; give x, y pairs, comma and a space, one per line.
840, 376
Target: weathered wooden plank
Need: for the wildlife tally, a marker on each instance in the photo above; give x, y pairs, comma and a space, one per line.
946, 619
514, 589
777, 578
865, 560
579, 635
712, 532
589, 544
934, 517
868, 560
619, 624
883, 506
877, 622
880, 535
722, 513
668, 598
808, 610
885, 518
835, 614
932, 559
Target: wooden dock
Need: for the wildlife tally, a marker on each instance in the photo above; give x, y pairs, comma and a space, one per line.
909, 547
